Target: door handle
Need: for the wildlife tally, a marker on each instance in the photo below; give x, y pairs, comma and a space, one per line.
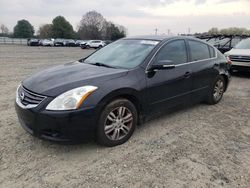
187, 74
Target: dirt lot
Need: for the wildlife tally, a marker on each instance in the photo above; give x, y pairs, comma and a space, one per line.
199, 146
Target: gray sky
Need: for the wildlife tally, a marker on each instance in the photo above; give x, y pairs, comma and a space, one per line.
140, 17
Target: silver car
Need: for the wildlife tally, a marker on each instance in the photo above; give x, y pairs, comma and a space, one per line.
240, 56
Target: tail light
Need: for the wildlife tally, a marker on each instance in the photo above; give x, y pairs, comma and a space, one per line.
229, 60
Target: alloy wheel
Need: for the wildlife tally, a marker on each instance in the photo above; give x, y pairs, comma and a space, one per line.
218, 90
118, 123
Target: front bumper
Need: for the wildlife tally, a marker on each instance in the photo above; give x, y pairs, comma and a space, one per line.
65, 126
240, 66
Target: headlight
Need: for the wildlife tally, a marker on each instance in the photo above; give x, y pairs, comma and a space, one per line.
71, 99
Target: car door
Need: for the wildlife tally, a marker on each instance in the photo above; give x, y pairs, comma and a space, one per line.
96, 43
170, 87
202, 64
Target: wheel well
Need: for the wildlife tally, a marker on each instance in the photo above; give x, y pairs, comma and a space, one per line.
132, 99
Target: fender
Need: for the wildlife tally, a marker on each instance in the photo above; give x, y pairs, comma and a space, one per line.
136, 97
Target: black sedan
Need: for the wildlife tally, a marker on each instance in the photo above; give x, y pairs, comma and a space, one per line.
119, 86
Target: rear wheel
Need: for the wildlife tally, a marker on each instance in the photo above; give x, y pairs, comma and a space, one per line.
117, 123
217, 90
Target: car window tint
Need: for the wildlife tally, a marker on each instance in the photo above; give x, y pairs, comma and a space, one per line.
198, 50
212, 52
174, 51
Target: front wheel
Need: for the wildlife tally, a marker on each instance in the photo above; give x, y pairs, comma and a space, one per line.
217, 90
117, 123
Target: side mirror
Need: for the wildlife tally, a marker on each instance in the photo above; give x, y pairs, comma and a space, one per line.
162, 65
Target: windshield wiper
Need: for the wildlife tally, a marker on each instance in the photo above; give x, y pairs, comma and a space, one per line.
102, 65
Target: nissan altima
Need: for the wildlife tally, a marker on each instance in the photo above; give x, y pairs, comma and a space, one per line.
119, 86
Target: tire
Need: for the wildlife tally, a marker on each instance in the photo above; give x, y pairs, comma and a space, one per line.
216, 90
117, 123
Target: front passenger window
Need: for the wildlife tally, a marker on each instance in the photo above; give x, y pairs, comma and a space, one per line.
174, 51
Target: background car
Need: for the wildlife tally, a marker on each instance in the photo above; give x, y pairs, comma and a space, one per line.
83, 44
240, 56
93, 44
32, 42
108, 42
46, 42
78, 42
58, 42
69, 42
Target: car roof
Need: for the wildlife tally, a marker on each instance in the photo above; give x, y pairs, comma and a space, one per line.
165, 38
161, 37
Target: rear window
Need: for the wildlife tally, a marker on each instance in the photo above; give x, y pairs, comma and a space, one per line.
198, 50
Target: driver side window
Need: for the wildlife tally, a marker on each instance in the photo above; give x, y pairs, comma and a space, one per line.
174, 51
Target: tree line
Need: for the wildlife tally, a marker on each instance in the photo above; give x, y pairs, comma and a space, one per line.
229, 31
92, 26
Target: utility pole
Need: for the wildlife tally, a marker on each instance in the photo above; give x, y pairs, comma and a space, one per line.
189, 30
169, 31
156, 30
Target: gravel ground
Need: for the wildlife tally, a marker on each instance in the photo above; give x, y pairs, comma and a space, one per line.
199, 146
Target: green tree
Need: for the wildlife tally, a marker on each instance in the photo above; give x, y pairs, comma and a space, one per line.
23, 29
61, 28
45, 31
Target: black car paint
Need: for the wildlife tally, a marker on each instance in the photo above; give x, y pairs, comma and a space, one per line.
148, 90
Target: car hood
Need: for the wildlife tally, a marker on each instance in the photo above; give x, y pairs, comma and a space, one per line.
243, 52
59, 79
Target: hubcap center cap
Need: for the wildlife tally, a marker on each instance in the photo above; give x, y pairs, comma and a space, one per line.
118, 123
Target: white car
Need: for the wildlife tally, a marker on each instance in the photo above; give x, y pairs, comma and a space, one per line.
95, 44
47, 42
240, 56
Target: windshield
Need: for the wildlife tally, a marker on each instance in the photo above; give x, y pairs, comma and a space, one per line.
123, 53
244, 44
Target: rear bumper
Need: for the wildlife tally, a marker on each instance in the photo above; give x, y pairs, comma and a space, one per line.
64, 126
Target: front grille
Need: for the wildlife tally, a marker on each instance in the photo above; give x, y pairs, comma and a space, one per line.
239, 58
27, 97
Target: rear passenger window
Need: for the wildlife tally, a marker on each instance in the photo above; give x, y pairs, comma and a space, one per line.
212, 52
199, 51
174, 51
